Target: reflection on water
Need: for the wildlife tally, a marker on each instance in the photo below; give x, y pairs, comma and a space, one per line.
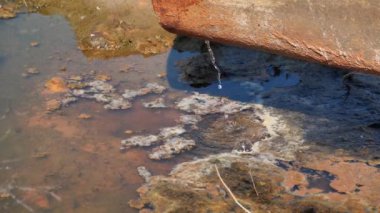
59, 162
306, 95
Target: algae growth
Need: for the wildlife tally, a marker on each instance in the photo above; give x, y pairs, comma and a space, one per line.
103, 28
80, 135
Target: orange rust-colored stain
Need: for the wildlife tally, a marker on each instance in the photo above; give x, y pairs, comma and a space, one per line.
59, 123
174, 3
56, 85
295, 178
36, 198
354, 178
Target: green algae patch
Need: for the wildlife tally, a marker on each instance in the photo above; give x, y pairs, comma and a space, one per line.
108, 28
195, 187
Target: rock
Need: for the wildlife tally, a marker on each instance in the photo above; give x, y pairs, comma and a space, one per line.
97, 41
25, 75
103, 77
171, 147
140, 141
76, 85
56, 85
308, 30
103, 98
102, 92
161, 75
158, 103
239, 131
118, 103
195, 187
4, 196
63, 69
166, 134
32, 71
34, 44
190, 119
149, 88
155, 88
53, 105
171, 132
128, 132
203, 104
130, 94
41, 155
136, 204
7, 11
76, 78
144, 173
84, 116
101, 87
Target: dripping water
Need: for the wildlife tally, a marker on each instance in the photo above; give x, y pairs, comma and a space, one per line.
213, 61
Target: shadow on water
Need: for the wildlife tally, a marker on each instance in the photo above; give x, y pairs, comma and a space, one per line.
333, 110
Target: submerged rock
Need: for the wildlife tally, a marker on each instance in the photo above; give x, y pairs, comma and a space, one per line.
171, 147
56, 85
239, 131
118, 103
258, 185
171, 132
68, 100
140, 141
190, 119
100, 87
7, 11
84, 116
53, 105
158, 103
155, 88
203, 104
101, 91
169, 136
96, 87
31, 71
144, 173
148, 89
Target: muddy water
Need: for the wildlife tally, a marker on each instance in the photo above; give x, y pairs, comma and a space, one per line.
57, 162
77, 160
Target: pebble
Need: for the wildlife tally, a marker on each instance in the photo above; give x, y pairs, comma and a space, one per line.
158, 103
172, 147
34, 44
84, 116
144, 173
53, 105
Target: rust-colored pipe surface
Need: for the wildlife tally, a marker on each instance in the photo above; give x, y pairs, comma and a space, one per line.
344, 33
